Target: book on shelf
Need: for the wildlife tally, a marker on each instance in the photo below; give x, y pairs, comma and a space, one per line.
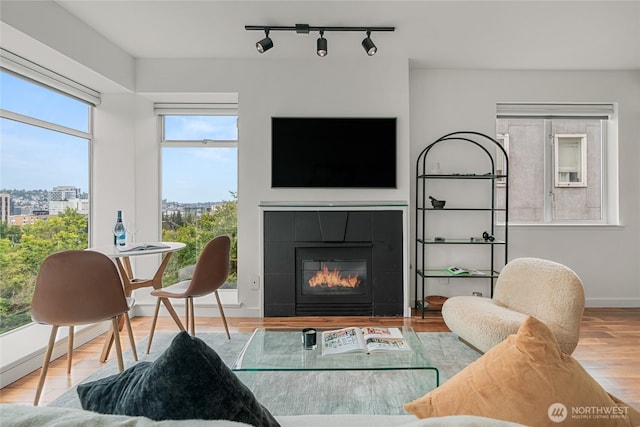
142, 247
367, 340
459, 271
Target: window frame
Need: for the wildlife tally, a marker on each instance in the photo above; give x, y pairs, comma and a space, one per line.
21, 346
582, 141
609, 184
228, 296
503, 139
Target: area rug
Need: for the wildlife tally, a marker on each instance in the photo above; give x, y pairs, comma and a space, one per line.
296, 393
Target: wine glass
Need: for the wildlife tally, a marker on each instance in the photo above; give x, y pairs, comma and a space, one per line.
132, 229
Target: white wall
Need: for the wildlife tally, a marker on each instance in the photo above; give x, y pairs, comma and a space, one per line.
606, 258
369, 87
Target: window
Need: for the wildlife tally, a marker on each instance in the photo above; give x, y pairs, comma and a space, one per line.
570, 160
558, 162
44, 167
199, 183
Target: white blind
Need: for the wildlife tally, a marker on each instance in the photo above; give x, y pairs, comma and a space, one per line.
515, 110
15, 64
196, 109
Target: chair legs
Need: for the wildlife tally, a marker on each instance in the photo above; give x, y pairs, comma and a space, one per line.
132, 340
70, 348
45, 364
191, 315
52, 342
190, 318
153, 324
173, 314
224, 319
116, 338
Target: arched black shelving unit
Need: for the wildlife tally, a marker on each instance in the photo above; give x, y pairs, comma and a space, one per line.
428, 241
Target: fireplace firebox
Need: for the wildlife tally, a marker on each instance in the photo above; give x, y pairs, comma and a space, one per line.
333, 280
333, 263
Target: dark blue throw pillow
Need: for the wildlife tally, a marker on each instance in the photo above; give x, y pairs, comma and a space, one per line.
187, 381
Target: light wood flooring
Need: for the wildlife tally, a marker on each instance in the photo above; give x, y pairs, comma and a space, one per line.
609, 349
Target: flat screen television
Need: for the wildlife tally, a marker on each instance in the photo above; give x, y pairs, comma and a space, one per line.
328, 152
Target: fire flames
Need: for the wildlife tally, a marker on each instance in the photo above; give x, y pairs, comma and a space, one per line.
333, 279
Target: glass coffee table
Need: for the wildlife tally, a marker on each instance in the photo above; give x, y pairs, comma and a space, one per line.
280, 349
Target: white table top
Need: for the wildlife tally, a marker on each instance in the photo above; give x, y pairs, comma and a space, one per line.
141, 248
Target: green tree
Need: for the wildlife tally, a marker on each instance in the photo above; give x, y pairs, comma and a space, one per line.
20, 260
195, 232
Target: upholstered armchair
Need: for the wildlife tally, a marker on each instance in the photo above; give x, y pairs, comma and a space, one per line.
546, 290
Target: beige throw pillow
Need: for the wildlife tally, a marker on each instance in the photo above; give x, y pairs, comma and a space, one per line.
528, 380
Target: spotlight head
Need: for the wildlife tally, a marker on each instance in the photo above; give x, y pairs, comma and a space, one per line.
322, 45
265, 44
368, 45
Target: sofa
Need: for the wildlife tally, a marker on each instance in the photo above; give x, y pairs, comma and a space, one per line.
524, 380
22, 415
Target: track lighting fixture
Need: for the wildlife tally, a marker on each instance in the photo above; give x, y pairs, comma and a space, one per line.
368, 45
266, 43
321, 44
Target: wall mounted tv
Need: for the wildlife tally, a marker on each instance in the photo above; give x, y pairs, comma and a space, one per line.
328, 152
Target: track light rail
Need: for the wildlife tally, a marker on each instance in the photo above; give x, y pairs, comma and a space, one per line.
305, 28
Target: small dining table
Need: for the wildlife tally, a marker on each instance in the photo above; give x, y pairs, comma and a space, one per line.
121, 255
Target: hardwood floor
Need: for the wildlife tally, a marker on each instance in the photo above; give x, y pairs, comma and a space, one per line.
609, 349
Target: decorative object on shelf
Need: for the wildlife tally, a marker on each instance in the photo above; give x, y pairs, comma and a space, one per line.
435, 301
437, 204
487, 236
267, 43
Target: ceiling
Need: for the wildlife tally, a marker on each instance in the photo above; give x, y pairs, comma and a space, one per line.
537, 35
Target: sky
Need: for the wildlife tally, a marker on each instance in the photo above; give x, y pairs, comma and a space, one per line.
34, 158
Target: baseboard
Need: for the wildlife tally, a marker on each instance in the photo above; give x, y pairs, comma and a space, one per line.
206, 310
613, 302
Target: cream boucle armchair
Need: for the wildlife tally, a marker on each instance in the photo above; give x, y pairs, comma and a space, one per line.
546, 290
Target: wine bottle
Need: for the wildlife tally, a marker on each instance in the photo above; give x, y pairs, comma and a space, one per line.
119, 231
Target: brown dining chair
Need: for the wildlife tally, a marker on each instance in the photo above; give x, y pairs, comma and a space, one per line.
210, 273
77, 288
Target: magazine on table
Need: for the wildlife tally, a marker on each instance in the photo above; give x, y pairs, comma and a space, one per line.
367, 340
142, 247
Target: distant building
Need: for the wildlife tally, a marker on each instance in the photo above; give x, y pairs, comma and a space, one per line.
63, 197
5, 207
56, 207
22, 220
64, 193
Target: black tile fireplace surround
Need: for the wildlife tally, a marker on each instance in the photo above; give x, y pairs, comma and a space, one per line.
371, 240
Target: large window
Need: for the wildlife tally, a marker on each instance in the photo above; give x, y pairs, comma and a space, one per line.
557, 161
44, 185
199, 186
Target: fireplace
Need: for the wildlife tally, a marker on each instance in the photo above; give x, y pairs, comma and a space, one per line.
333, 280
333, 263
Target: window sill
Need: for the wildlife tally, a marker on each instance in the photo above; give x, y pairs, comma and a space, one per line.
22, 350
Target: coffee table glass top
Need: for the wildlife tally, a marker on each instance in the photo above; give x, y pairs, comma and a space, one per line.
280, 349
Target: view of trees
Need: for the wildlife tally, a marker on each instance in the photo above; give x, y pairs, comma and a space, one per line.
195, 231
22, 250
